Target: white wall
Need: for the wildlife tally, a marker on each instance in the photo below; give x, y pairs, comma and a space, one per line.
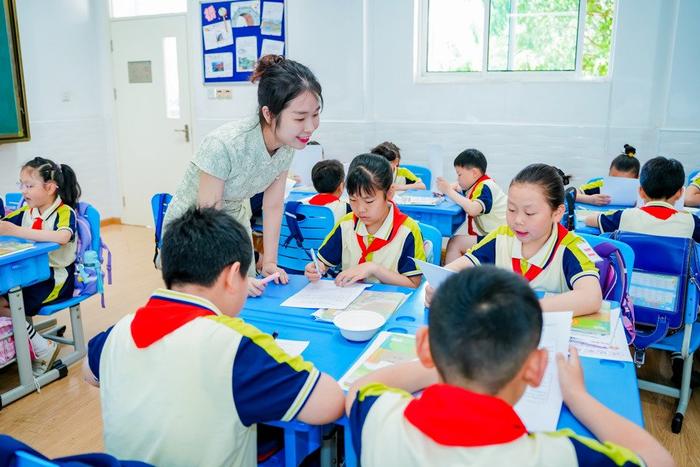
65, 56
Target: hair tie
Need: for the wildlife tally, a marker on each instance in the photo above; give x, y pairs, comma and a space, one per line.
630, 154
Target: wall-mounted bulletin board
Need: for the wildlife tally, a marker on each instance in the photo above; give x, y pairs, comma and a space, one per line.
235, 34
14, 120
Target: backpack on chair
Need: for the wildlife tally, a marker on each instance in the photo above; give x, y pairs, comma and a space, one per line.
89, 273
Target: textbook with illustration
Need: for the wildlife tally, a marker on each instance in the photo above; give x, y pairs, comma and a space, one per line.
596, 323
384, 303
388, 348
7, 247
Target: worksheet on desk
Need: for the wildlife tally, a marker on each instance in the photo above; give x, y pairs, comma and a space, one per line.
325, 294
539, 408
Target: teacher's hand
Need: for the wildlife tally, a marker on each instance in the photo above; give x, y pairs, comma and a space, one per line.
271, 268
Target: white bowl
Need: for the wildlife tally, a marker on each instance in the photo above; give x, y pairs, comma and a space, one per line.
359, 325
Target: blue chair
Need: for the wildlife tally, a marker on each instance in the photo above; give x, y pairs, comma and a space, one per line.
627, 255
73, 304
13, 201
421, 172
691, 176
672, 270
314, 223
159, 205
434, 237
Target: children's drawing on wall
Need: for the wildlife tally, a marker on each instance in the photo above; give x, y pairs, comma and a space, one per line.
245, 14
218, 65
272, 19
246, 53
217, 35
271, 47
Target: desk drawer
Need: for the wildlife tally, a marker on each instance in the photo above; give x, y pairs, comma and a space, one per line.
24, 273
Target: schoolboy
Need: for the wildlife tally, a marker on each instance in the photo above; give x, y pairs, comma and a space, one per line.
476, 360
661, 185
481, 198
328, 177
183, 381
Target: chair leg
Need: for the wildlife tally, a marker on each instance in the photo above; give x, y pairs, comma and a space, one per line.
49, 323
78, 338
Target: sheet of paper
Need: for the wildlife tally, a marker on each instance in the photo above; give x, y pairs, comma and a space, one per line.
384, 303
611, 347
272, 19
622, 191
292, 347
271, 47
417, 200
217, 35
539, 407
325, 294
304, 159
218, 65
434, 274
388, 348
288, 187
245, 14
246, 53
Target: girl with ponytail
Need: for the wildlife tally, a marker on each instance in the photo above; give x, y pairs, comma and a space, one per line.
51, 192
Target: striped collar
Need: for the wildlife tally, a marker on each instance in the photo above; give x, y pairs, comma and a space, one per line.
472, 189
659, 209
166, 312
545, 253
384, 231
454, 416
34, 212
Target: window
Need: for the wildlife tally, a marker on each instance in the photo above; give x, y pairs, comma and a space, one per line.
172, 80
127, 8
459, 38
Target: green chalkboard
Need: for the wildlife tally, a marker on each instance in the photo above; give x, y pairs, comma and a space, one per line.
14, 121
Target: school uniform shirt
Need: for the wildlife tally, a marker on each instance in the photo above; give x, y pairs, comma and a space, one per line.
696, 182
181, 384
449, 425
397, 241
403, 176
563, 259
654, 218
493, 203
335, 204
57, 217
592, 187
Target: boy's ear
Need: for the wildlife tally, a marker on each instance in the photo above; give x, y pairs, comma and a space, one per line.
534, 367
643, 194
423, 347
232, 277
677, 196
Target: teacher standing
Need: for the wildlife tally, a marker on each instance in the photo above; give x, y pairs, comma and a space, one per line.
240, 159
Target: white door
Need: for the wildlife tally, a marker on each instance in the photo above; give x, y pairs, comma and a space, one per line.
149, 59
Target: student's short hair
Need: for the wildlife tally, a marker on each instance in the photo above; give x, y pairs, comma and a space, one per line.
327, 175
484, 323
369, 173
388, 150
626, 161
662, 178
470, 159
200, 244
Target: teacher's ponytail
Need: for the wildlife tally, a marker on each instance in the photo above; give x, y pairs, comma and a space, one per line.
279, 81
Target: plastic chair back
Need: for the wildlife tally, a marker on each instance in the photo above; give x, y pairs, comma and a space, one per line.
434, 237
13, 201
159, 205
314, 223
628, 256
691, 176
421, 172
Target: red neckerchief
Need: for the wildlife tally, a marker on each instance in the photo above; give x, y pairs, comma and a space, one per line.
660, 212
161, 316
470, 220
534, 271
322, 199
453, 416
39, 222
378, 243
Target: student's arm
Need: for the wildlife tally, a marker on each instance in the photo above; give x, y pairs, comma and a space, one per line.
585, 299
409, 376
598, 199
606, 425
273, 207
62, 236
692, 196
91, 365
312, 274
472, 208
383, 275
417, 185
592, 220
325, 404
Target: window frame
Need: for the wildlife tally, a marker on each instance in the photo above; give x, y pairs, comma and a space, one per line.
420, 60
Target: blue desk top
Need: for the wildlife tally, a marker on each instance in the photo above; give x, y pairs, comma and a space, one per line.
613, 383
39, 248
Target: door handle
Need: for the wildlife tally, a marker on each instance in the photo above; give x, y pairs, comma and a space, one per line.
186, 131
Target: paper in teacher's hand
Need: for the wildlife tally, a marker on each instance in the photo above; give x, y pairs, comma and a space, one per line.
434, 274
622, 191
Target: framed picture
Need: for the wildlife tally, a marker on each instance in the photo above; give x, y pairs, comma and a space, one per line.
14, 119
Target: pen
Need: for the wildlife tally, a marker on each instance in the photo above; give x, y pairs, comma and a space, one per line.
269, 278
315, 260
274, 335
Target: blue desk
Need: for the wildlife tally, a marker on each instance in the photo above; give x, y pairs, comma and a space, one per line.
446, 216
18, 270
612, 383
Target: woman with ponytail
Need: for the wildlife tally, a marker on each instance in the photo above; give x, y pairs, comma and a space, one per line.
240, 159
51, 192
